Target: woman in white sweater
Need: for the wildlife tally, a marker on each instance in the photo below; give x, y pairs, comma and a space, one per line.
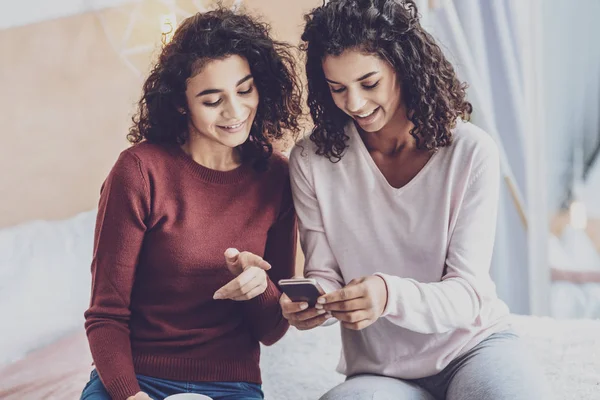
397, 197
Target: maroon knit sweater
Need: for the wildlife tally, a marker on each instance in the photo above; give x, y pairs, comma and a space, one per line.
163, 224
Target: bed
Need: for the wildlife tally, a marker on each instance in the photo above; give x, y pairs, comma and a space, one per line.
301, 366
44, 268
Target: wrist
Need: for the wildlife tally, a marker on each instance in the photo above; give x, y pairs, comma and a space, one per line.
385, 294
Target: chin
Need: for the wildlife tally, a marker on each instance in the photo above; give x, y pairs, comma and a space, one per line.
372, 128
234, 141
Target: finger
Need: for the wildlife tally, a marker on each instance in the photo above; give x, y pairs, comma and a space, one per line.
346, 293
236, 284
311, 323
231, 255
284, 299
304, 315
290, 307
247, 259
256, 291
351, 316
231, 260
357, 326
349, 305
258, 282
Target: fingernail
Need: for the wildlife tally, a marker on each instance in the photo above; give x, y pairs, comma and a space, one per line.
321, 300
318, 306
320, 312
231, 253
303, 306
218, 296
328, 315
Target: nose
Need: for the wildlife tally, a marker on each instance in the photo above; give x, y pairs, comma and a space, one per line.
233, 110
354, 101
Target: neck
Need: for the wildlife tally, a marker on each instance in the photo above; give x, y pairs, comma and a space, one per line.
394, 137
210, 154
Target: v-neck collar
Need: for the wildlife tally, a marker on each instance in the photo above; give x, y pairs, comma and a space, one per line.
362, 149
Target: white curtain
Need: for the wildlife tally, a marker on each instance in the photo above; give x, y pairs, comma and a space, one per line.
481, 38
572, 60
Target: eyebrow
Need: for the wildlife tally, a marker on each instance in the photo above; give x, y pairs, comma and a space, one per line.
362, 78
211, 91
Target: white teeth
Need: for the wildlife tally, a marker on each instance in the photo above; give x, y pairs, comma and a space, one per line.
367, 114
233, 126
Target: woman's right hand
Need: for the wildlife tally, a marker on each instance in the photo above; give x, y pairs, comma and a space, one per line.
300, 316
140, 396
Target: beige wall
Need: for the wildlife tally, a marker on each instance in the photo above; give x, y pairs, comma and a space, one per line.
66, 100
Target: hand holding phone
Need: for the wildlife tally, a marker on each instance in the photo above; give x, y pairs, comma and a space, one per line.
302, 290
298, 301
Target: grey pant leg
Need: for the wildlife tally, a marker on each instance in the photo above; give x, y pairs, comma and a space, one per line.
498, 368
373, 387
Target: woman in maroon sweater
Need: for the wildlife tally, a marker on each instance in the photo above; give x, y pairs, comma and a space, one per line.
174, 306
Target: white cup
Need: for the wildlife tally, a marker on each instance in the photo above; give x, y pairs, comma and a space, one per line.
188, 396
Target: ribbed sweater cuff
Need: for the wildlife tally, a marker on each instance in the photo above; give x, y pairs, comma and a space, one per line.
269, 297
123, 387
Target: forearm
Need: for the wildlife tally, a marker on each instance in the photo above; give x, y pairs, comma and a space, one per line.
264, 316
431, 307
111, 351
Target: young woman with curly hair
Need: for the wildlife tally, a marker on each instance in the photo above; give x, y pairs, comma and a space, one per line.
396, 195
175, 307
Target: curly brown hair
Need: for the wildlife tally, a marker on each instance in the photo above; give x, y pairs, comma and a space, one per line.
390, 29
211, 36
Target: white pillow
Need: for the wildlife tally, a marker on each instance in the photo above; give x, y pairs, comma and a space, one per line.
44, 282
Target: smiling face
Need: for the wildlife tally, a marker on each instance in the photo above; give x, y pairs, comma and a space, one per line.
365, 87
222, 101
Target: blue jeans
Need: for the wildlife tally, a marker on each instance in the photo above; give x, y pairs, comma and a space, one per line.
158, 389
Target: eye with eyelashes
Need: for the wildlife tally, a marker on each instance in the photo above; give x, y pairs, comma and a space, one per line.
241, 92
366, 87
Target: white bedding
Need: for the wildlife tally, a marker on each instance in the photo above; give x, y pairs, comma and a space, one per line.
301, 366
44, 281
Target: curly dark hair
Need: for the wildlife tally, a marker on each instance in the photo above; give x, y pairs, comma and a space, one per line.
210, 36
390, 29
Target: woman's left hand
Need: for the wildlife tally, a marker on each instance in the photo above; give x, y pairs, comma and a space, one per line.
359, 304
251, 279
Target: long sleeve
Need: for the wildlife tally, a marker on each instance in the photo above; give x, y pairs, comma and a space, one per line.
120, 229
264, 312
320, 263
456, 300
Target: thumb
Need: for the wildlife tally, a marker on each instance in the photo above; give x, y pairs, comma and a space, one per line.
354, 282
231, 256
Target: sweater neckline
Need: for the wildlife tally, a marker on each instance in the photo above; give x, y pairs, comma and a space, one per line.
362, 149
211, 175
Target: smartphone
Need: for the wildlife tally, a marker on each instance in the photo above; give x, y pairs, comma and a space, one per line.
302, 290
